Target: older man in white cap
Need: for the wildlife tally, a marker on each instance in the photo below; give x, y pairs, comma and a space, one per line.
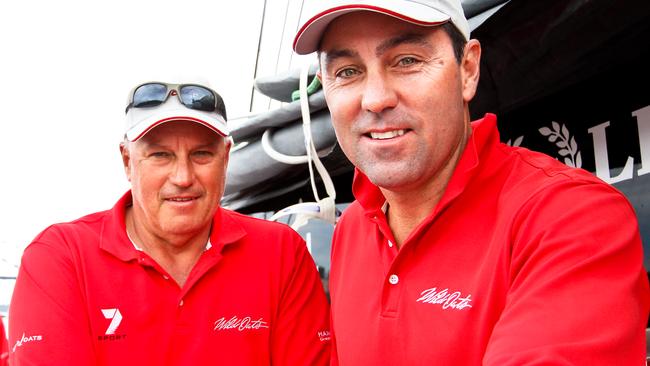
167, 277
460, 250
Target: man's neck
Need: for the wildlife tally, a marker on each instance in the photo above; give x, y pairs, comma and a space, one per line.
406, 211
176, 254
408, 207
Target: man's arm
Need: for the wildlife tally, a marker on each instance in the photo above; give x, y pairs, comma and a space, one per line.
301, 334
48, 324
334, 356
4, 348
579, 293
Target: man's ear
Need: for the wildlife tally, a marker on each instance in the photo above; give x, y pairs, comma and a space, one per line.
470, 68
126, 159
228, 144
226, 157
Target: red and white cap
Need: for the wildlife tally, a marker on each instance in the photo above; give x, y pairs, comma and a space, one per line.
420, 12
139, 121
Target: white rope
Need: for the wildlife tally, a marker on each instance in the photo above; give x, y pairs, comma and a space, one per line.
325, 208
287, 159
309, 143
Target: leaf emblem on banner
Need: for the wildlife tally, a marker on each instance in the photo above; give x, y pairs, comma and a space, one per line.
568, 148
517, 142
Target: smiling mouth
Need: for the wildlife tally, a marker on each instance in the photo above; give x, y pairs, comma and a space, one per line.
386, 135
180, 199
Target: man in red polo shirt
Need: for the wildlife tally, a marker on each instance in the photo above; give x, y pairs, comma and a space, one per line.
4, 348
460, 250
167, 277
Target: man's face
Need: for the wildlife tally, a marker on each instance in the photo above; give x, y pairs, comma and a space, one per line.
398, 98
177, 174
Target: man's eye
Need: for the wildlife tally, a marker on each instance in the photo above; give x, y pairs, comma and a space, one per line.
407, 61
346, 73
203, 156
160, 154
203, 153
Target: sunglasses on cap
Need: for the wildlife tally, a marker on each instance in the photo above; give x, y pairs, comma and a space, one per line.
192, 96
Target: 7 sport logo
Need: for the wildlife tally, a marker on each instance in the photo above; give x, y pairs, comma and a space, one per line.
116, 318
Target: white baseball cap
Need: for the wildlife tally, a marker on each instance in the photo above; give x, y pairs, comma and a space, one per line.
420, 12
142, 119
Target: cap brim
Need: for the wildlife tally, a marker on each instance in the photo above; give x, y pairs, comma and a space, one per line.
143, 120
308, 37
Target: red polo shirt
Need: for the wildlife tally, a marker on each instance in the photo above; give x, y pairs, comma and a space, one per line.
4, 349
523, 261
85, 296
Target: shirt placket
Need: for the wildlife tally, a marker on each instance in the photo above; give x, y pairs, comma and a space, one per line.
208, 259
391, 287
184, 321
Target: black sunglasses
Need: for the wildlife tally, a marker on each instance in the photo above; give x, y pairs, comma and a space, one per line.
192, 96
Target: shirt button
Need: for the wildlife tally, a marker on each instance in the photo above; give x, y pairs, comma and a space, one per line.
393, 279
180, 303
390, 244
166, 277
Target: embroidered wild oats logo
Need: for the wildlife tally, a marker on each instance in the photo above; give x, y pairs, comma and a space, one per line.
446, 298
26, 339
245, 323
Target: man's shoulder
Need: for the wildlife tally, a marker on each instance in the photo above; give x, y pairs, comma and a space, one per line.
87, 222
257, 226
527, 166
71, 232
259, 239
533, 176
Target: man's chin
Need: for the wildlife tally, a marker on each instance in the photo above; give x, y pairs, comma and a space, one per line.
179, 226
390, 179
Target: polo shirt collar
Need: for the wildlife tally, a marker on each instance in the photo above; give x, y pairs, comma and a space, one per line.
484, 134
114, 239
225, 230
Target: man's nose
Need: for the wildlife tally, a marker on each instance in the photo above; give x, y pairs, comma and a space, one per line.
378, 94
182, 174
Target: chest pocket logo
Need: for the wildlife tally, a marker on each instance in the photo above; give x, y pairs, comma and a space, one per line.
240, 324
116, 319
445, 298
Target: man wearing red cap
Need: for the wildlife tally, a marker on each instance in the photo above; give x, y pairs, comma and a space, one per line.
460, 250
167, 277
